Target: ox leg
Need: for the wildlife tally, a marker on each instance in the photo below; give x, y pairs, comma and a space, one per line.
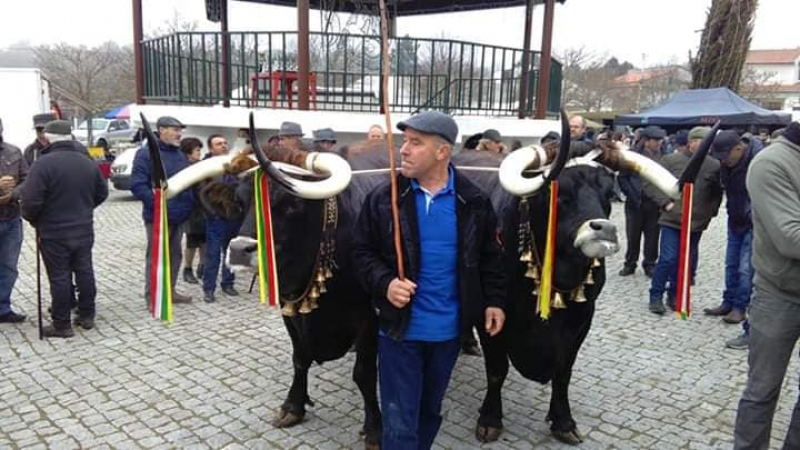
490, 421
293, 409
365, 374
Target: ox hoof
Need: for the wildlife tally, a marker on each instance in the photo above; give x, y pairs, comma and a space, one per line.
286, 419
572, 437
487, 434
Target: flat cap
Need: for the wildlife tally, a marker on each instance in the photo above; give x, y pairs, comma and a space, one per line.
40, 120
550, 136
698, 133
169, 121
653, 132
62, 127
324, 134
682, 137
432, 122
724, 142
290, 129
492, 135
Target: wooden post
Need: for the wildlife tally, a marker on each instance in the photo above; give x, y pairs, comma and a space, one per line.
544, 61
226, 54
525, 85
138, 63
302, 54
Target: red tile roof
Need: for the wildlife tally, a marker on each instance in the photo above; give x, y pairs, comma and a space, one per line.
783, 56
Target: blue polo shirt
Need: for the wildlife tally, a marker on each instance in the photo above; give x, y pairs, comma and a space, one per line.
435, 305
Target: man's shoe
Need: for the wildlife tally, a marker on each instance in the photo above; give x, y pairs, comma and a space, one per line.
735, 316
208, 297
12, 317
648, 272
671, 302
741, 342
51, 331
188, 276
721, 310
180, 298
627, 271
230, 291
86, 323
657, 307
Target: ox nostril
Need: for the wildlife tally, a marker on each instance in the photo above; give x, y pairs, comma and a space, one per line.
597, 226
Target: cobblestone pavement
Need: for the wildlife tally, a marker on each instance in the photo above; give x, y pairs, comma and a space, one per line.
214, 377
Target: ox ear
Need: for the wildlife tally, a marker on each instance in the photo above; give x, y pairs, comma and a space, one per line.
689, 174
265, 163
157, 172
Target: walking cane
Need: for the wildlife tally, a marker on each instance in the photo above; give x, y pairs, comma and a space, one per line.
39, 285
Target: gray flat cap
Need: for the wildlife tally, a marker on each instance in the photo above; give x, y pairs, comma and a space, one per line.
324, 134
40, 120
62, 127
290, 129
169, 121
492, 135
432, 122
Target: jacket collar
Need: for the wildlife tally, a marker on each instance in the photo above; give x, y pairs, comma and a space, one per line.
466, 191
70, 146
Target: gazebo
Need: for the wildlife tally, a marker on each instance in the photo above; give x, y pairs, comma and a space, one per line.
217, 10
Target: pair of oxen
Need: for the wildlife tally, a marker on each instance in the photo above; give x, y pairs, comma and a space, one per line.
316, 198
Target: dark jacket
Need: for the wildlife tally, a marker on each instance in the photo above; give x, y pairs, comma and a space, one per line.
633, 186
707, 192
33, 152
179, 208
12, 164
481, 279
62, 190
734, 182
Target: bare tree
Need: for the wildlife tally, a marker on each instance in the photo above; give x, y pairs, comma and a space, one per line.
724, 44
759, 86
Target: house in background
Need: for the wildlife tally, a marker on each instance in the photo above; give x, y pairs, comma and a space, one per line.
778, 74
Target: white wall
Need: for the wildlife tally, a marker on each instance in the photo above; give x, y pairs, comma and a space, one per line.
23, 94
782, 73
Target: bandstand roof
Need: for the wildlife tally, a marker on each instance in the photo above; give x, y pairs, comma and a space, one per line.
409, 7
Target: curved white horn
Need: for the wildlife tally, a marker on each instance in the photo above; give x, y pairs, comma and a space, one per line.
197, 172
326, 163
512, 166
652, 172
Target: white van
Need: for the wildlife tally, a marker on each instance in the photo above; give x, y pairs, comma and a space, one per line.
121, 169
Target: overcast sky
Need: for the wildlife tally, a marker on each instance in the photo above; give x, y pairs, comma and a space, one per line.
644, 32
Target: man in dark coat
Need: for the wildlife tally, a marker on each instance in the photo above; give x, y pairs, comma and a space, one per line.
455, 278
34, 150
179, 208
59, 197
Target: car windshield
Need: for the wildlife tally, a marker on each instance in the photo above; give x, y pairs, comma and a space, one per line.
97, 124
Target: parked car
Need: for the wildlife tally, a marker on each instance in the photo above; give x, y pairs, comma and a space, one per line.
122, 168
105, 132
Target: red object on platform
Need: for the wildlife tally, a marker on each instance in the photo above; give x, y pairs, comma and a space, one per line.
275, 77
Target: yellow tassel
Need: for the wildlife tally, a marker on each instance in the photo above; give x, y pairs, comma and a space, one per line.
580, 296
558, 301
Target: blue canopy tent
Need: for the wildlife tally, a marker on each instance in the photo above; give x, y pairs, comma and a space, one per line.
704, 107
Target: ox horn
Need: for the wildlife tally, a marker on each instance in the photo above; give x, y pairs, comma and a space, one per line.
512, 166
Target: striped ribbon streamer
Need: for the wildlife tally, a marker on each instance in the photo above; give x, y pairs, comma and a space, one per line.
267, 267
683, 292
160, 281
546, 286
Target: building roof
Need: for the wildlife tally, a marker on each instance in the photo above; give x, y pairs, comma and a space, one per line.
637, 76
780, 56
409, 7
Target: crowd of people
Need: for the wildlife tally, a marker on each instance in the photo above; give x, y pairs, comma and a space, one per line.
56, 186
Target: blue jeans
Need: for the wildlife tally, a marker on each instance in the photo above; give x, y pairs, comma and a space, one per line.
219, 233
738, 270
413, 380
667, 267
10, 246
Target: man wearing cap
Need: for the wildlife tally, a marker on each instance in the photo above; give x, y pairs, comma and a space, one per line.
773, 182
734, 156
492, 142
641, 206
34, 150
59, 197
455, 278
179, 208
291, 135
325, 139
705, 205
13, 171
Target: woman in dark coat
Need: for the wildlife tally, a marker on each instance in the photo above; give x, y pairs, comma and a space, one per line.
196, 225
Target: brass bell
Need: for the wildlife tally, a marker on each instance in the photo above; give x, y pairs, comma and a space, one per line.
313, 304
328, 273
305, 307
320, 277
314, 294
532, 272
527, 256
580, 296
558, 301
596, 263
322, 288
288, 310
589, 278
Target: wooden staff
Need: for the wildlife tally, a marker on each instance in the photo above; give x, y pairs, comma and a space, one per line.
385, 71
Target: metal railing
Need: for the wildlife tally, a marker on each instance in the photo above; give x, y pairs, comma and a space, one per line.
452, 76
